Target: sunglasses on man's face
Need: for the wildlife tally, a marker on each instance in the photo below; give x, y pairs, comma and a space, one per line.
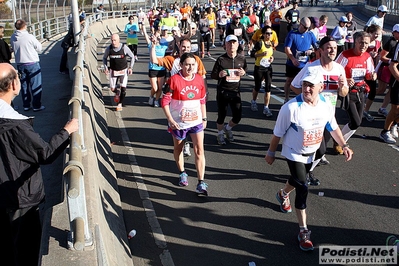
268, 33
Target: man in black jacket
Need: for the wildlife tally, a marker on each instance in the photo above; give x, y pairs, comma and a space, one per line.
22, 151
228, 70
237, 29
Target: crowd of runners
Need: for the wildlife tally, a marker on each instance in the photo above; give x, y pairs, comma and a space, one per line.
346, 68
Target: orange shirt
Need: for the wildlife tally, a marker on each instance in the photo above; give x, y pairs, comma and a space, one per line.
185, 11
168, 62
275, 17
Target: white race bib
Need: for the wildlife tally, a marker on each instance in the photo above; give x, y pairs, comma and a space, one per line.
265, 62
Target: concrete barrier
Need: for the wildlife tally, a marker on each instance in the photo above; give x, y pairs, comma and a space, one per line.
105, 219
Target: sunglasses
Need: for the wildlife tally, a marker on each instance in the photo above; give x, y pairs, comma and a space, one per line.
304, 26
237, 18
268, 33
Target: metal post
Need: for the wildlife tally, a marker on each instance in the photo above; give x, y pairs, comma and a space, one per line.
14, 6
75, 19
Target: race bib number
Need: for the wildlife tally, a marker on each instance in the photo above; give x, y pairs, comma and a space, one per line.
232, 75
312, 136
194, 47
118, 73
188, 115
330, 96
301, 56
211, 22
265, 62
358, 74
237, 32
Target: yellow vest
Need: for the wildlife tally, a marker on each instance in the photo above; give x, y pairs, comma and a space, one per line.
262, 50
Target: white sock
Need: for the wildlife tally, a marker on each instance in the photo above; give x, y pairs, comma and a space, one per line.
228, 127
315, 163
221, 132
347, 132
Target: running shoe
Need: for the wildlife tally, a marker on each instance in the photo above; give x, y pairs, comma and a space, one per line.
41, 108
119, 107
383, 112
201, 188
285, 205
221, 140
117, 97
183, 181
392, 241
151, 101
254, 106
208, 54
213, 46
304, 241
387, 137
156, 103
229, 134
312, 180
394, 131
186, 149
368, 116
323, 161
267, 112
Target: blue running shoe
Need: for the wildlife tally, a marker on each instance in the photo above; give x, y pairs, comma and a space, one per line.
201, 189
183, 181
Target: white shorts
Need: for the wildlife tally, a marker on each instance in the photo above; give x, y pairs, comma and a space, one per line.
113, 79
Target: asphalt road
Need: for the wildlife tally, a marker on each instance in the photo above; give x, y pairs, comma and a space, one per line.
240, 221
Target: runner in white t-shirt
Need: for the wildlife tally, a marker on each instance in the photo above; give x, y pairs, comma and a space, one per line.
300, 123
335, 85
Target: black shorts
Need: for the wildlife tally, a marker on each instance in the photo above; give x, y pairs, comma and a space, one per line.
156, 73
291, 71
394, 93
222, 27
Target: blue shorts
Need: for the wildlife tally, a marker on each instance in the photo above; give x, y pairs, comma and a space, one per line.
181, 134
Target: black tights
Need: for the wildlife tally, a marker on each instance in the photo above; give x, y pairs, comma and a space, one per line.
298, 180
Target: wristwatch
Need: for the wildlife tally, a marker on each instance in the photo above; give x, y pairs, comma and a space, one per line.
346, 145
204, 119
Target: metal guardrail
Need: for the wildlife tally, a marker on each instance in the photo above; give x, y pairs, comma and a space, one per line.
80, 236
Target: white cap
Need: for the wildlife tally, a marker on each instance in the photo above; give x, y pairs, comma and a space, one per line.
193, 25
175, 28
343, 19
231, 37
313, 76
164, 27
382, 8
395, 28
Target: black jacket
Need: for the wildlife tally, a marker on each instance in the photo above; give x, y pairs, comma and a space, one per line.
5, 53
232, 29
224, 62
22, 151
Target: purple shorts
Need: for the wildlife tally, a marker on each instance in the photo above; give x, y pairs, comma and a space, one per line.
182, 133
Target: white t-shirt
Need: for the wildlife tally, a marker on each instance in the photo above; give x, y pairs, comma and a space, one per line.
330, 91
301, 126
